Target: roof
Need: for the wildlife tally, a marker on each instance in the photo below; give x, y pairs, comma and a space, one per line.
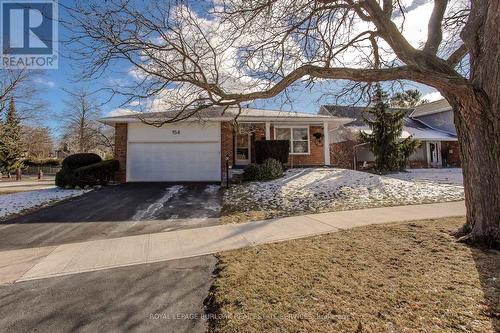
431, 108
418, 130
412, 126
356, 112
225, 114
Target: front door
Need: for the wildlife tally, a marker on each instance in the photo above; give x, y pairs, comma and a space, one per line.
243, 148
434, 154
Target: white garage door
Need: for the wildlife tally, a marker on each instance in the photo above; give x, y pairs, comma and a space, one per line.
173, 153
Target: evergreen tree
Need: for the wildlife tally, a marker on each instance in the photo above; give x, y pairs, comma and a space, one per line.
11, 150
407, 99
391, 152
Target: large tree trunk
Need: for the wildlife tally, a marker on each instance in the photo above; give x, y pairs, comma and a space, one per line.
479, 150
477, 108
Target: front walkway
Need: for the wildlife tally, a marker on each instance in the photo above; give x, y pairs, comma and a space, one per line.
38, 263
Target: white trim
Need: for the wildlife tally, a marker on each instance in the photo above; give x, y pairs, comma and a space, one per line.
315, 120
326, 144
291, 137
127, 156
439, 162
247, 161
268, 130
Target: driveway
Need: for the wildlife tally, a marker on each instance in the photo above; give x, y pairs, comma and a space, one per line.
115, 211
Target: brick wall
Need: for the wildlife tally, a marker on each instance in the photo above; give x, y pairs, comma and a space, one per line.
315, 156
227, 144
121, 133
259, 133
418, 164
342, 156
451, 153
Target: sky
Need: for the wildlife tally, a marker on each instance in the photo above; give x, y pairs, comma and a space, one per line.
67, 77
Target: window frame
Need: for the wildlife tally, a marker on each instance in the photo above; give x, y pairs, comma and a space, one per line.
290, 127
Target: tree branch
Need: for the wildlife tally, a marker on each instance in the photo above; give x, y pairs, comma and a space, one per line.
457, 55
434, 33
341, 73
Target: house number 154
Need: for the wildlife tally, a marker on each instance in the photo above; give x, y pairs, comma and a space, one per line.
176, 132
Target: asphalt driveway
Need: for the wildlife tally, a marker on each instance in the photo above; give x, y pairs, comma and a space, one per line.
161, 297
115, 211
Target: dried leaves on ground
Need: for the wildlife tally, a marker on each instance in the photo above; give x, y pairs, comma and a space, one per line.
405, 277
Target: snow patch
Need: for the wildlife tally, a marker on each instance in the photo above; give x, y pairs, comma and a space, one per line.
152, 210
18, 202
452, 176
212, 188
321, 190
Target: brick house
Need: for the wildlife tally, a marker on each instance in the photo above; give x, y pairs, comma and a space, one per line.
431, 123
197, 149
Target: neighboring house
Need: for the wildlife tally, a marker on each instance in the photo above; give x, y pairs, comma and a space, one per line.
439, 146
197, 149
437, 115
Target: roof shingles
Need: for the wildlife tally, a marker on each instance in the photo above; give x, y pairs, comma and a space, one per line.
412, 126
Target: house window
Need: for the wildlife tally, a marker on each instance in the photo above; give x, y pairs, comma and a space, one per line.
298, 137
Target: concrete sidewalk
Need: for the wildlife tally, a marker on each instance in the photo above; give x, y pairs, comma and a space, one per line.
38, 263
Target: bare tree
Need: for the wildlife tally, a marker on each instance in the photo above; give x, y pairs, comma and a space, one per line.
82, 131
22, 86
38, 142
241, 51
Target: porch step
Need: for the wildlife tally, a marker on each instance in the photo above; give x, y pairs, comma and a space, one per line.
236, 176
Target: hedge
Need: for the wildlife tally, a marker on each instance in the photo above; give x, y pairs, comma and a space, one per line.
85, 169
76, 161
96, 174
275, 149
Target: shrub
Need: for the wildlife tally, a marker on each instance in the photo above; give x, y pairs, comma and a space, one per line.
64, 177
76, 161
270, 169
275, 149
94, 174
251, 172
85, 169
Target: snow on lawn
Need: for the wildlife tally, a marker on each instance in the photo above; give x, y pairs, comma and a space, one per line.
324, 189
451, 176
17, 202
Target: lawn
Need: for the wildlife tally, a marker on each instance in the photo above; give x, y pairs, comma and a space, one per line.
306, 191
405, 277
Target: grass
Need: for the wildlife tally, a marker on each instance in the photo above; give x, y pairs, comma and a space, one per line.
405, 277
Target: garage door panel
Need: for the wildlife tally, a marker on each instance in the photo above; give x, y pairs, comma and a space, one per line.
180, 161
178, 132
